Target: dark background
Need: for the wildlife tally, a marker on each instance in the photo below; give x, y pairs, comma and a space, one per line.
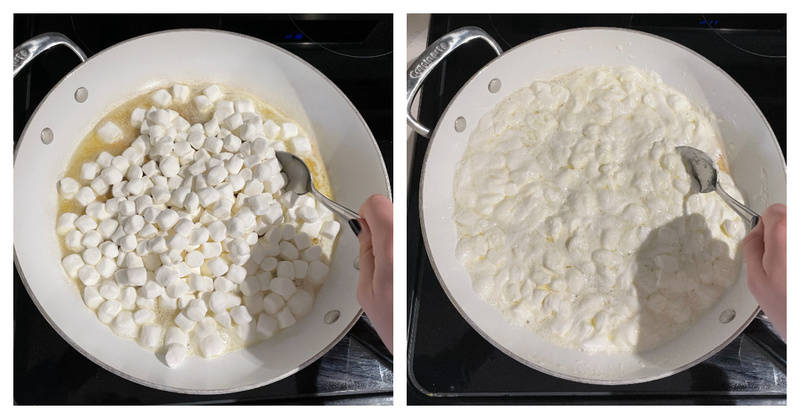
449, 363
353, 51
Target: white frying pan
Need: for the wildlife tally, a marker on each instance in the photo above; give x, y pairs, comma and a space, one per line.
126, 70
755, 160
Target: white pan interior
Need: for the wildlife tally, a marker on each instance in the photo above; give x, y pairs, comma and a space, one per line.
353, 162
755, 160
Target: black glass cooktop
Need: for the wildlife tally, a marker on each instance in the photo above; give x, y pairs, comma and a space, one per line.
353, 51
449, 363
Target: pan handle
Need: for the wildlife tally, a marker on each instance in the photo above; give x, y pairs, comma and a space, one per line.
431, 57
29, 49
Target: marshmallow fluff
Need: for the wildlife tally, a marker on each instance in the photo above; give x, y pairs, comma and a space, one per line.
174, 225
576, 217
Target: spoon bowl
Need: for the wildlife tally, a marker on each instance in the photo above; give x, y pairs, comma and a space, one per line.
701, 168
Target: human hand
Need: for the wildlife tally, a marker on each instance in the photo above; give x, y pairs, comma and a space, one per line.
375, 265
765, 256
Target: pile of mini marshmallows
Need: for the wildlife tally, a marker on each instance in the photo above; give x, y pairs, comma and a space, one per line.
197, 242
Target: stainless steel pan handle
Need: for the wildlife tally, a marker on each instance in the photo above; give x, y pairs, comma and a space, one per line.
431, 57
29, 49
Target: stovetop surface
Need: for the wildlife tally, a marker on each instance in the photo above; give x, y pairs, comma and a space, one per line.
353, 51
448, 362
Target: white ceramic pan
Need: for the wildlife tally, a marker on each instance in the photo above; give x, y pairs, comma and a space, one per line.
125, 70
755, 160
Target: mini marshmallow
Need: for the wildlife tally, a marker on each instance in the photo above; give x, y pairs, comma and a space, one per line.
273, 303
109, 249
150, 336
330, 229
217, 230
185, 323
301, 145
91, 239
222, 284
123, 325
175, 336
66, 222
302, 241
200, 283
99, 186
223, 319
151, 290
184, 227
236, 274
166, 219
311, 228
88, 275
269, 263
317, 272
275, 183
196, 310
300, 303
132, 260
285, 318
137, 116
169, 166
216, 175
104, 159
106, 268
288, 250
234, 121
167, 303
111, 175
109, 132
177, 288
285, 269
68, 187
161, 97
91, 297
120, 163
85, 195
289, 130
132, 276
180, 93
133, 224
271, 129
208, 196
73, 240
266, 325
108, 310
128, 243
217, 267
107, 227
282, 286
91, 256
89, 170
194, 259
144, 316
211, 250
213, 92
221, 301
300, 269
127, 208
212, 345
175, 355
250, 286
240, 315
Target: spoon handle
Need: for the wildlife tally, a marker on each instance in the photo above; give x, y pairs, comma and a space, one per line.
344, 212
749, 216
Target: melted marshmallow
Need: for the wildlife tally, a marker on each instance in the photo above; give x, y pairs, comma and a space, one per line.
576, 217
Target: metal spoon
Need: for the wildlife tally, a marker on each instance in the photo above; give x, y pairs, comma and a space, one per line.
701, 168
299, 181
